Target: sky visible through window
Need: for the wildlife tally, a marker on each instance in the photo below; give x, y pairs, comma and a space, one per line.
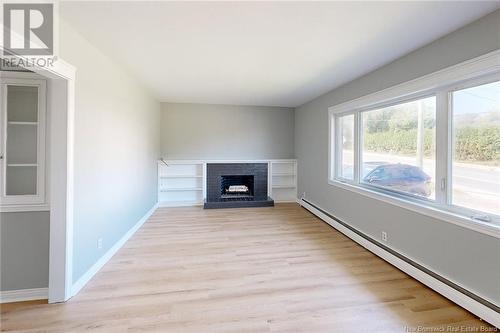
481, 99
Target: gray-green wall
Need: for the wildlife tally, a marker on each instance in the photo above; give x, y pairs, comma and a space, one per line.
117, 144
207, 131
24, 251
469, 258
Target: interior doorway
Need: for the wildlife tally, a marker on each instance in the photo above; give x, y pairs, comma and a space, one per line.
37, 157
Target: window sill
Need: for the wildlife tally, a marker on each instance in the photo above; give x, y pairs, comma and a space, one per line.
490, 229
24, 208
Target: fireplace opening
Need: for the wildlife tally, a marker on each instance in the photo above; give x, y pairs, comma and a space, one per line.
237, 188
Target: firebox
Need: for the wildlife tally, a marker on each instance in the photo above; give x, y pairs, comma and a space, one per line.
236, 188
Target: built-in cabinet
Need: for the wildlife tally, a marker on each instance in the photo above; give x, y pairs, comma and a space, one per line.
183, 183
180, 183
283, 180
22, 142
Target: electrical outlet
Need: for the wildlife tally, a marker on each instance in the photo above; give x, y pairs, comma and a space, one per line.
384, 236
304, 195
99, 243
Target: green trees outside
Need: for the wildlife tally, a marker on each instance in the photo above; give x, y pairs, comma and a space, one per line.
394, 130
478, 143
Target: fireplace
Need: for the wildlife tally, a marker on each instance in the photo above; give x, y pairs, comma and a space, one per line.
232, 185
234, 188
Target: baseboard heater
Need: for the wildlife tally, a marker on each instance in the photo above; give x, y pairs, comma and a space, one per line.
493, 316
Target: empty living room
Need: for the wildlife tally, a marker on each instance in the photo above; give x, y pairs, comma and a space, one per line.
249, 166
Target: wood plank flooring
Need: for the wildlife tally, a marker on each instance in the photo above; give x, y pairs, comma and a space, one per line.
275, 269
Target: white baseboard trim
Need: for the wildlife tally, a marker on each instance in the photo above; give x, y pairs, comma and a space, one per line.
480, 310
85, 278
21, 295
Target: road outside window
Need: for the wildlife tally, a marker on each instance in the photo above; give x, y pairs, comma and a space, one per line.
476, 148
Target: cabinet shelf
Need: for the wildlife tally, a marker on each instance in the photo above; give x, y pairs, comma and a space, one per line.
177, 189
181, 176
284, 186
32, 123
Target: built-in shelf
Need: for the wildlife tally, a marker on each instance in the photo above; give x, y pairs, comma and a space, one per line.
283, 180
33, 123
284, 186
181, 176
180, 183
173, 189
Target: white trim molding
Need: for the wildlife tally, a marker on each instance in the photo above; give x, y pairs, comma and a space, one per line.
482, 311
21, 295
85, 278
24, 208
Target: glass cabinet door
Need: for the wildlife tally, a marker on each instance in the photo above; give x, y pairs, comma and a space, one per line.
23, 142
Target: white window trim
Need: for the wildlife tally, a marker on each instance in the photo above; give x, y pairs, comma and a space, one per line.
37, 202
471, 72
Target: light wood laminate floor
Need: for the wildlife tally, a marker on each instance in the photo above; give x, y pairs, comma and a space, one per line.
275, 269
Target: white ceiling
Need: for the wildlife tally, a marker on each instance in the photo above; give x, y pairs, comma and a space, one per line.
261, 53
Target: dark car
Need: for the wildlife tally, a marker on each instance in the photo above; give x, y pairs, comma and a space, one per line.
400, 177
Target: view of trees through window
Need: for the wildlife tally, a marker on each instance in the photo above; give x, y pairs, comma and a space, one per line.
398, 147
476, 148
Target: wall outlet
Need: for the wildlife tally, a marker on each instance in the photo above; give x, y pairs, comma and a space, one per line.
99, 243
384, 236
303, 195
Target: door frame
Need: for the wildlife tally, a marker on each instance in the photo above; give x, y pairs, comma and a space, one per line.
61, 105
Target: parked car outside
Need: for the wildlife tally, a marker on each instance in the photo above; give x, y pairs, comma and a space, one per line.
400, 177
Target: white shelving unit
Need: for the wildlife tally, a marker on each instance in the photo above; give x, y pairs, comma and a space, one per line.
180, 183
283, 180
183, 183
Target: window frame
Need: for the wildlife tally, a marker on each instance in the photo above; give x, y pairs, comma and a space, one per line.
32, 201
441, 84
338, 157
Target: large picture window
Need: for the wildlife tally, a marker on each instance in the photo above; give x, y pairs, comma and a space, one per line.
437, 147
